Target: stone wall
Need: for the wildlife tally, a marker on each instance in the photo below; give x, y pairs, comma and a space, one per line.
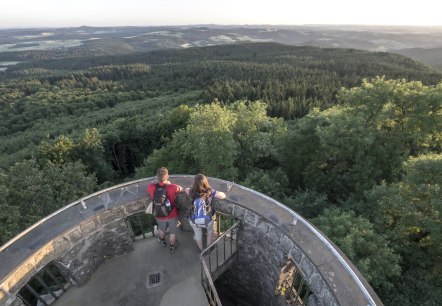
81, 236
79, 251
92, 242
262, 250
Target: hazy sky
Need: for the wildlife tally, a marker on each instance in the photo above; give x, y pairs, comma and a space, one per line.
36, 13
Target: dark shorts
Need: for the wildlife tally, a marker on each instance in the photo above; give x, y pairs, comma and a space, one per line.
171, 223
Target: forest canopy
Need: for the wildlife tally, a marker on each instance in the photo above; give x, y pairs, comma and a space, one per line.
351, 140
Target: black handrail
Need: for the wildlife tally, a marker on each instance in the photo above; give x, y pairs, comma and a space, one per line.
206, 271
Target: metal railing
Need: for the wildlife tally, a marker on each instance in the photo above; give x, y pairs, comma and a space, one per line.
141, 225
223, 222
299, 291
292, 284
224, 250
45, 287
209, 286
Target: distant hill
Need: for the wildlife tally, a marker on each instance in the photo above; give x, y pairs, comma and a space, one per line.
432, 57
31, 44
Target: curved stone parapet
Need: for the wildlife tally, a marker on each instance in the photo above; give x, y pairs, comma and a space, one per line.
81, 235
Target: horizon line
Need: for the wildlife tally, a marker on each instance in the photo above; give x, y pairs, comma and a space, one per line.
218, 24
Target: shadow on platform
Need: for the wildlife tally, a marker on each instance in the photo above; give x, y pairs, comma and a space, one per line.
124, 280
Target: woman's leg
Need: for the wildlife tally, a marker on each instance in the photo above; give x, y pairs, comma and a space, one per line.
210, 233
198, 235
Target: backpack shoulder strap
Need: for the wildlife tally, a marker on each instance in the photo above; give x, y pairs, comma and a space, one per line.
211, 197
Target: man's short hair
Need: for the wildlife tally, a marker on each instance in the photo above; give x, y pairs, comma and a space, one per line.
162, 174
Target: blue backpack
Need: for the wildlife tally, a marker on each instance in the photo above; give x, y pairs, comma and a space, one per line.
201, 213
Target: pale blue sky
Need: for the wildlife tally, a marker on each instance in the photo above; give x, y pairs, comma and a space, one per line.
37, 13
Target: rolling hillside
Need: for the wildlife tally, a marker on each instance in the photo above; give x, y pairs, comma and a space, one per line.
51, 43
43, 98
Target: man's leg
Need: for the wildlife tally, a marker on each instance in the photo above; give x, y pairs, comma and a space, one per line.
162, 226
172, 234
161, 234
172, 239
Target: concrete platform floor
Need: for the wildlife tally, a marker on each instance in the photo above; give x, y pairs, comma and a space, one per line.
122, 281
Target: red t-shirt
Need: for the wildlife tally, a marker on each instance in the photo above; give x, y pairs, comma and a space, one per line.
172, 190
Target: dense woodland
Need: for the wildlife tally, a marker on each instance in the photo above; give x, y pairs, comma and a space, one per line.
351, 140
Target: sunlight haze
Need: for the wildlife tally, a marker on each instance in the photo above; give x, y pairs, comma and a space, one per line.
72, 13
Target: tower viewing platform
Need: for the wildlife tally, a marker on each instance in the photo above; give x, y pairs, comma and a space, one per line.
91, 252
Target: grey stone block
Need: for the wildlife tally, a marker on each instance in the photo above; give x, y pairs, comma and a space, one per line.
279, 255
316, 283
314, 301
72, 253
238, 212
75, 235
89, 226
263, 226
93, 237
307, 267
61, 245
137, 206
275, 234
286, 243
112, 215
327, 297
250, 218
116, 224
296, 254
224, 207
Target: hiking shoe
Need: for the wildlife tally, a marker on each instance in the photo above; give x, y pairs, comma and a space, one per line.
172, 248
162, 242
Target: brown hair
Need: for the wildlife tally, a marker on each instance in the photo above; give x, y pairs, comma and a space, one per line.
162, 174
200, 187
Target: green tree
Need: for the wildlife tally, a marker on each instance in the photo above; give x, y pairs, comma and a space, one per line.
273, 183
35, 191
408, 111
307, 203
254, 133
89, 150
220, 141
346, 149
59, 151
409, 212
297, 147
210, 140
368, 250
9, 216
172, 155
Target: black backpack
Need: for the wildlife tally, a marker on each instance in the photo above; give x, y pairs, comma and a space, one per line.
161, 204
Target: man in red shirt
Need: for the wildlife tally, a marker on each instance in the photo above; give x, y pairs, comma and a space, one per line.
171, 220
